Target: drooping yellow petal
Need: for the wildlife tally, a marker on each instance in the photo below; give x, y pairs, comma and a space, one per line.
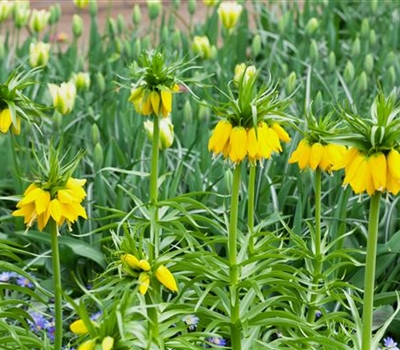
146, 108
296, 155
55, 209
136, 94
377, 165
324, 163
393, 162
273, 139
5, 120
88, 345
131, 260
166, 278
335, 154
359, 181
238, 144
253, 146
264, 146
78, 327
28, 211
392, 184
144, 282
155, 101
42, 201
351, 169
42, 220
220, 136
107, 343
317, 150
166, 100
369, 182
67, 196
281, 132
31, 196
342, 161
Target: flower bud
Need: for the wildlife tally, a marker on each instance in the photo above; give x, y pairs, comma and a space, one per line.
21, 13
101, 83
93, 8
349, 72
107, 343
369, 63
63, 97
88, 345
176, 39
154, 7
256, 45
374, 5
81, 80
201, 46
187, 112
136, 15
121, 24
311, 26
192, 6
331, 62
55, 13
77, 25
5, 9
229, 13
95, 134
314, 54
138, 46
365, 28
290, 83
248, 71
39, 20
127, 47
356, 47
318, 102
166, 132
166, 278
131, 260
81, 3
372, 37
112, 27
38, 54
204, 111
392, 75
78, 327
362, 82
227, 183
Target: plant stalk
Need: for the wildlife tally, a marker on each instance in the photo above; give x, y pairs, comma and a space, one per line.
250, 207
369, 277
57, 285
234, 271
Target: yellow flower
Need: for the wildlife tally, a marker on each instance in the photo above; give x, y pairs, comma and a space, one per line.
281, 132
64, 205
131, 260
201, 46
78, 327
63, 96
237, 144
144, 282
377, 166
107, 343
6, 122
88, 345
229, 13
220, 137
166, 278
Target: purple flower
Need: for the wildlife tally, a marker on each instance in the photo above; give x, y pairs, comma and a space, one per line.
51, 329
217, 341
39, 322
191, 321
96, 316
24, 282
390, 343
6, 276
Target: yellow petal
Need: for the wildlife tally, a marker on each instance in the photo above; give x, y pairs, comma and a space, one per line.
136, 94
78, 327
67, 196
5, 120
351, 169
144, 282
144, 265
166, 278
325, 163
131, 260
281, 132
31, 196
107, 343
166, 99
55, 209
253, 146
393, 162
88, 345
392, 184
28, 211
316, 154
342, 161
220, 136
155, 101
377, 165
42, 201
238, 144
296, 155
273, 140
359, 181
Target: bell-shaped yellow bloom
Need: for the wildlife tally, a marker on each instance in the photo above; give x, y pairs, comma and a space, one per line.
253, 146
220, 137
88, 345
301, 155
38, 205
166, 103
144, 282
281, 132
316, 154
166, 278
107, 343
393, 163
229, 13
78, 327
238, 144
6, 122
377, 165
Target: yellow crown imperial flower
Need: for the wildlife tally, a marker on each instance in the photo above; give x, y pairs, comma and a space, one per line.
166, 278
88, 345
237, 144
144, 282
63, 205
6, 122
220, 137
131, 260
78, 327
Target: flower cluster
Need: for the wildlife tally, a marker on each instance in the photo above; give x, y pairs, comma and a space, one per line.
378, 171
238, 142
62, 203
162, 274
22, 281
40, 323
317, 155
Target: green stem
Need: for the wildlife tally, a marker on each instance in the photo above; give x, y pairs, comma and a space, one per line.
369, 277
57, 285
250, 207
234, 271
317, 240
152, 315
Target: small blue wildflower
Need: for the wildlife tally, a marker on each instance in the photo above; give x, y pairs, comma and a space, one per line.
6, 276
217, 341
318, 314
24, 282
96, 316
39, 322
51, 329
191, 321
390, 343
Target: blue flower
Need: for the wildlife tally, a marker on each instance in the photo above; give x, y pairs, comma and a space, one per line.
39, 322
217, 341
24, 282
390, 343
51, 329
191, 321
96, 316
6, 276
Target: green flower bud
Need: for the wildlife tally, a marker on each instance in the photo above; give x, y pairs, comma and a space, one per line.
138, 46
77, 26
119, 46
98, 157
192, 6
81, 3
256, 45
39, 20
356, 47
154, 7
136, 15
95, 134
311, 26
314, 54
318, 102
372, 37
291, 83
112, 27
127, 48
21, 13
187, 112
63, 96
369, 63
204, 111
331, 62
390, 58
101, 83
166, 132
229, 13
120, 24
283, 23
374, 5
146, 42
93, 8
176, 39
365, 28
349, 72
5, 10
392, 76
201, 47
362, 82
165, 34
285, 69
227, 184
55, 13
81, 80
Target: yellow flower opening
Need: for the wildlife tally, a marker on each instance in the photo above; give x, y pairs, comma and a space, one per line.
6, 122
62, 206
317, 155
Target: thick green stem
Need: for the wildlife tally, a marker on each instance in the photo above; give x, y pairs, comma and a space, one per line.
57, 285
250, 207
316, 242
369, 277
234, 271
152, 314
